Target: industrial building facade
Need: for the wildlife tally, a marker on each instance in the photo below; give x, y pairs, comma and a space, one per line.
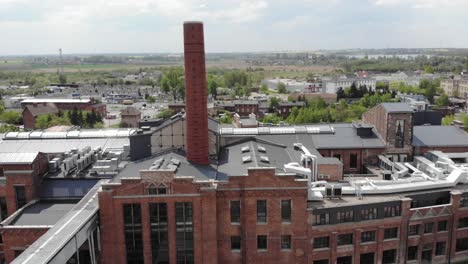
192, 191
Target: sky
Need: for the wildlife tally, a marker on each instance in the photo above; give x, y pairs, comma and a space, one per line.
155, 26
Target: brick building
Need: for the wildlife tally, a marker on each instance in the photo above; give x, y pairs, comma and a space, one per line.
130, 116
69, 104
285, 108
193, 191
31, 112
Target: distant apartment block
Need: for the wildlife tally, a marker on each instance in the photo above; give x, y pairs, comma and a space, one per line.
457, 87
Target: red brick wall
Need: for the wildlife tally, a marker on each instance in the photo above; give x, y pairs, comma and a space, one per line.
378, 117
19, 239
334, 171
364, 157
28, 120
196, 98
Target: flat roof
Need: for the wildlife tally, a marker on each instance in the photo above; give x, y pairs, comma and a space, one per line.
398, 108
55, 100
43, 213
17, 158
439, 136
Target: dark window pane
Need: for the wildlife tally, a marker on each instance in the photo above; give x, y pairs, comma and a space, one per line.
463, 222
235, 242
390, 233
20, 192
442, 226
159, 234
235, 211
184, 233
345, 239
440, 248
368, 236
367, 258
286, 242
261, 211
462, 244
428, 227
389, 256
413, 230
412, 253
286, 211
262, 243
133, 233
321, 242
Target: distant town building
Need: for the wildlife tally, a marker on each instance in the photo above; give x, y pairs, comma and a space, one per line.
245, 122
130, 116
284, 108
332, 85
417, 101
32, 111
456, 87
88, 104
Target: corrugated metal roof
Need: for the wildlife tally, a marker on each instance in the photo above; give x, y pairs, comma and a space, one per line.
86, 133
55, 100
17, 158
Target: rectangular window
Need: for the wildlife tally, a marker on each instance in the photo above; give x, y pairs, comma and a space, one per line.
285, 242
159, 236
428, 228
262, 243
389, 256
368, 236
184, 232
368, 213
321, 242
440, 248
413, 230
321, 261
412, 253
3, 209
235, 243
353, 161
133, 233
235, 212
322, 219
345, 216
344, 260
464, 201
261, 211
345, 239
392, 211
462, 244
390, 233
20, 192
442, 226
286, 211
463, 222
367, 258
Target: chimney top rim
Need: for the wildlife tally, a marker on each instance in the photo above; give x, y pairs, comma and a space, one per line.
193, 22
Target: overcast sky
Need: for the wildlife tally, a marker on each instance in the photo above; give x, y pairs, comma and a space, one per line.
133, 26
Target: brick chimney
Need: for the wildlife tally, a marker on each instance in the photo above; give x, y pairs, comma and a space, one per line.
195, 93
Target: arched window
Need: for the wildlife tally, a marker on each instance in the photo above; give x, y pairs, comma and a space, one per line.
154, 189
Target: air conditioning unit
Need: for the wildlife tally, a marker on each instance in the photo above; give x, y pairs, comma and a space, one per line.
387, 175
329, 191
337, 192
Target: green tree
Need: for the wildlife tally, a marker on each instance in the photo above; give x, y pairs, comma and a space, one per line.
443, 100
448, 120
281, 87
264, 89
150, 99
429, 69
62, 78
274, 103
165, 113
11, 117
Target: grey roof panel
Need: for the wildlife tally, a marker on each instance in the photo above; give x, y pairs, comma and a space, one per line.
439, 136
43, 213
397, 107
17, 157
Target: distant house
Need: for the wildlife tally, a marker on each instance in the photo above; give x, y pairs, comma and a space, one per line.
286, 107
32, 111
130, 116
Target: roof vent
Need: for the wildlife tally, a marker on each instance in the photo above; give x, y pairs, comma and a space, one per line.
246, 159
264, 159
261, 149
245, 149
175, 161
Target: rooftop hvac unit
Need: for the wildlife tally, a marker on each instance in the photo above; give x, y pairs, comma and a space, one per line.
53, 166
337, 192
387, 175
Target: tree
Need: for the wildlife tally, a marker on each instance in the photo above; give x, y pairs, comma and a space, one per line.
448, 120
264, 89
11, 117
62, 78
150, 99
165, 113
429, 69
281, 87
274, 103
443, 100
73, 116
212, 86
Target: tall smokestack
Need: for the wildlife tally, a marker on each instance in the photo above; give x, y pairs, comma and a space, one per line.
195, 93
